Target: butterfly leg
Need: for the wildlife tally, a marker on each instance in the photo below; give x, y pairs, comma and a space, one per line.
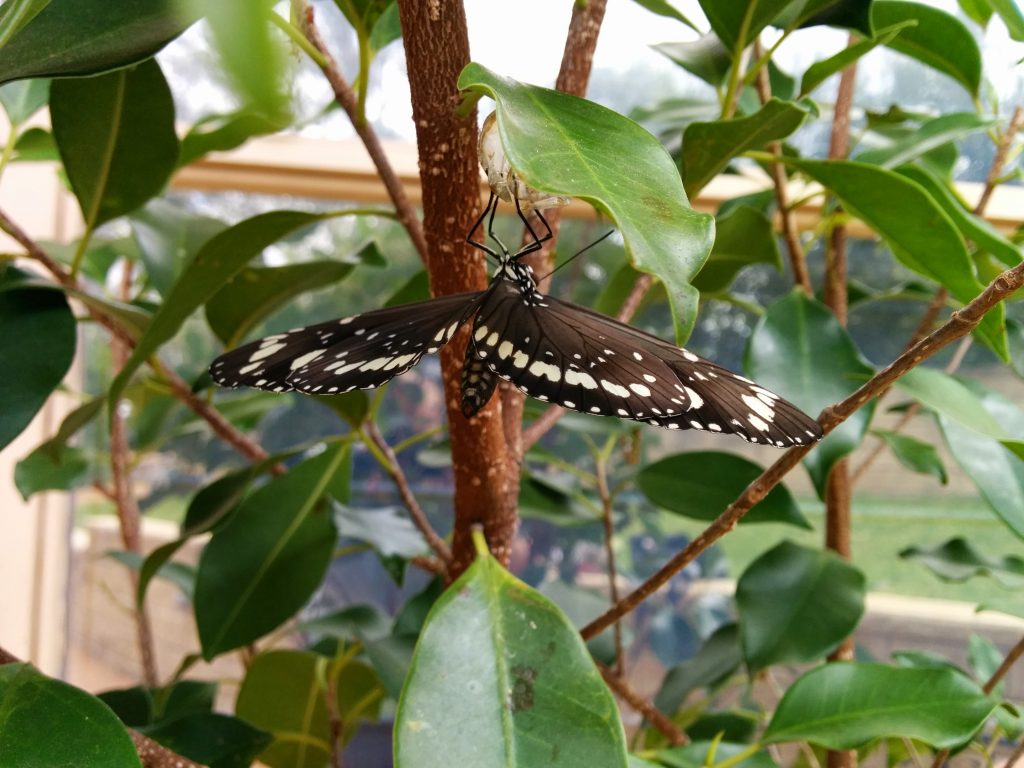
489, 209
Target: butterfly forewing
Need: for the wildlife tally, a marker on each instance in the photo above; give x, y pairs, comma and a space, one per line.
357, 352
588, 362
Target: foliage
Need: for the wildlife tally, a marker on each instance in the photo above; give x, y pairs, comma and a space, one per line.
493, 669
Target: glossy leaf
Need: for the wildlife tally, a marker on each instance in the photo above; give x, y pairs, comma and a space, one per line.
211, 738
916, 455
41, 471
938, 40
704, 57
1010, 12
820, 71
168, 237
256, 292
222, 133
70, 426
261, 567
116, 138
140, 706
354, 623
744, 237
701, 754
738, 22
708, 147
35, 145
978, 11
569, 146
845, 705
500, 661
220, 257
799, 350
387, 28
997, 472
251, 51
180, 575
716, 660
23, 99
948, 396
926, 137
973, 228
666, 9
916, 228
796, 605
84, 37
34, 708
958, 560
284, 693
701, 484
849, 14
38, 342
387, 529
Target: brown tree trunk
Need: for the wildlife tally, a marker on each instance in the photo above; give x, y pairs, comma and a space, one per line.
485, 473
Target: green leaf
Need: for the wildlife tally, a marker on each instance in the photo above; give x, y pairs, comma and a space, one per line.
256, 292
1009, 11
500, 656
716, 660
168, 237
796, 605
35, 708
973, 228
387, 529
978, 11
387, 28
708, 147
845, 705
251, 51
701, 484
704, 57
116, 138
916, 455
211, 738
849, 14
914, 226
262, 566
799, 350
738, 22
744, 237
222, 133
220, 257
354, 623
948, 396
23, 99
83, 37
180, 575
930, 135
958, 560
666, 9
139, 706
820, 71
41, 471
71, 425
284, 693
701, 754
391, 658
35, 145
544, 497
997, 472
938, 40
15, 14
38, 342
569, 146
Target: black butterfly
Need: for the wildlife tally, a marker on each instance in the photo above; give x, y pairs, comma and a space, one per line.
550, 349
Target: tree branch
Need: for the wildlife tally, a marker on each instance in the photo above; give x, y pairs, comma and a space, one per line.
601, 470
959, 324
346, 98
419, 517
653, 715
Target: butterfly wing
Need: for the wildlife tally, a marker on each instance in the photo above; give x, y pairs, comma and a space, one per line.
357, 352
577, 358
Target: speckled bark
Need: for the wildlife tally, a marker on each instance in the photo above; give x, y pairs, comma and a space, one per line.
486, 475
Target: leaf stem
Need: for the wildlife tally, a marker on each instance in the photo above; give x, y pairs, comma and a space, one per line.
738, 60
298, 39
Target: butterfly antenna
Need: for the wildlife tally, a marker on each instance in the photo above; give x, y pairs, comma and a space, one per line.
578, 253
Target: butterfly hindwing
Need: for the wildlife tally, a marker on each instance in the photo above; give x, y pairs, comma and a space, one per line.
577, 358
357, 352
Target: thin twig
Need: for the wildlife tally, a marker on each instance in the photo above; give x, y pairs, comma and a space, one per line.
651, 713
960, 323
348, 101
999, 159
790, 233
601, 471
334, 719
990, 685
129, 517
543, 423
394, 469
